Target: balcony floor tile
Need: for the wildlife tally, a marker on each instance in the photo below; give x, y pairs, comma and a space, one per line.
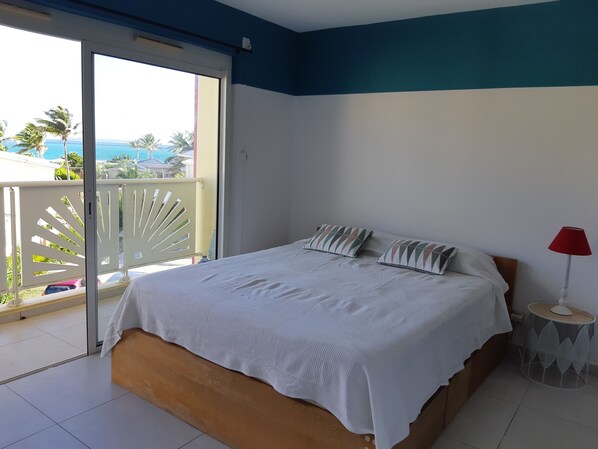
74, 335
32, 354
16, 331
59, 320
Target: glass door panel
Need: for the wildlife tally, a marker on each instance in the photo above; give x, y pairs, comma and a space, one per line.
156, 151
42, 250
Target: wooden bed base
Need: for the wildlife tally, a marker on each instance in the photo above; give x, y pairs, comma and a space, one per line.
246, 413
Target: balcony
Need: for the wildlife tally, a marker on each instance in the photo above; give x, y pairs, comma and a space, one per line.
142, 226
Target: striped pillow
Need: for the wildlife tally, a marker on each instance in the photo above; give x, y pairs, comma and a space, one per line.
342, 240
419, 255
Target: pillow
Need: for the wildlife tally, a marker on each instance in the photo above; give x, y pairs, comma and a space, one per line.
341, 240
419, 255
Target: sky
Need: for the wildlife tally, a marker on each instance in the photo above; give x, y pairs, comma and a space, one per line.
132, 99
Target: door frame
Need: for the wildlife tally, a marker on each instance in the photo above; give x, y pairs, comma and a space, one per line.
88, 50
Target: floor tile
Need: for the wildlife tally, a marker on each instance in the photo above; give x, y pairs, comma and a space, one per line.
205, 442
18, 418
130, 422
580, 406
536, 430
506, 382
16, 331
53, 438
59, 320
34, 353
109, 303
482, 421
446, 443
74, 335
70, 389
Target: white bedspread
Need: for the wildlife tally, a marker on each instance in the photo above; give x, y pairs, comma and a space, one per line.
369, 343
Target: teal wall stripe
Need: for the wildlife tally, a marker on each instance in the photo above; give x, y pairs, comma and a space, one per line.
547, 44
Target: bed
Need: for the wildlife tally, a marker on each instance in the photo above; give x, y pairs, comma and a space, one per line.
288, 348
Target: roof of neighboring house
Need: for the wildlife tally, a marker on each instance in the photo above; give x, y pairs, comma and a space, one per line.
153, 164
29, 160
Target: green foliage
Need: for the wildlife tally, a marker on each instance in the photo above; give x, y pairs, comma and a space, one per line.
3, 137
59, 122
121, 158
149, 143
6, 297
61, 174
23, 294
127, 172
75, 164
180, 142
146, 174
137, 145
126, 166
32, 137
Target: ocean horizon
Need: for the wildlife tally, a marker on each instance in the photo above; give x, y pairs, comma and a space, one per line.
105, 150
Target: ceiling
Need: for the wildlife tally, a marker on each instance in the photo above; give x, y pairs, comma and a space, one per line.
309, 15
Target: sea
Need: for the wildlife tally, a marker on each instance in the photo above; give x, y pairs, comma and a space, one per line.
105, 150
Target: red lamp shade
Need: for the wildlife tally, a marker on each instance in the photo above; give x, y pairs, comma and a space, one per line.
572, 241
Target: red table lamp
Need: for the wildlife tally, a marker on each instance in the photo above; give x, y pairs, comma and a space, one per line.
573, 242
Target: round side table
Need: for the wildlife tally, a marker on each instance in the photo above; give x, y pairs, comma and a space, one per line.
557, 347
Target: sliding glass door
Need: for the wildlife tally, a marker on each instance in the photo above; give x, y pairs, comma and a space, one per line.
153, 134
112, 147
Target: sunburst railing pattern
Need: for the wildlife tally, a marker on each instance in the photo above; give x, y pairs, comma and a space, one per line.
138, 223
158, 222
52, 234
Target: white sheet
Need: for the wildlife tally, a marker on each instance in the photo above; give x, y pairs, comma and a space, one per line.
370, 343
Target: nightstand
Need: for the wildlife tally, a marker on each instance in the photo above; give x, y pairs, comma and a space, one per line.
557, 347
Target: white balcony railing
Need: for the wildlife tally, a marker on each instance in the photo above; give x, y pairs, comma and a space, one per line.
139, 222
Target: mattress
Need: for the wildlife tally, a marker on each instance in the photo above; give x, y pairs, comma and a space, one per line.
368, 342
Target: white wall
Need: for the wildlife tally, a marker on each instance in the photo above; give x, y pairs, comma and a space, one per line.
501, 170
262, 127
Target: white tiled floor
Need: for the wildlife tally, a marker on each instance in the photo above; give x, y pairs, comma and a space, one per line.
47, 339
76, 406
510, 412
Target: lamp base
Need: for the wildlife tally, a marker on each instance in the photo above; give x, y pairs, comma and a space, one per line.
561, 310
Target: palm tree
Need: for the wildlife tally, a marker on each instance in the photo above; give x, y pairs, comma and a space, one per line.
126, 166
32, 137
180, 142
137, 145
150, 143
3, 125
60, 123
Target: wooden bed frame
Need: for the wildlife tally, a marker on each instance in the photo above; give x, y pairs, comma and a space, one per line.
246, 413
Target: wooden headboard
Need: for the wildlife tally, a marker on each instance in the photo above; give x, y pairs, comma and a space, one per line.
507, 267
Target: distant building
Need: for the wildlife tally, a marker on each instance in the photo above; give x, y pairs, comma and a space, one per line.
16, 167
155, 166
